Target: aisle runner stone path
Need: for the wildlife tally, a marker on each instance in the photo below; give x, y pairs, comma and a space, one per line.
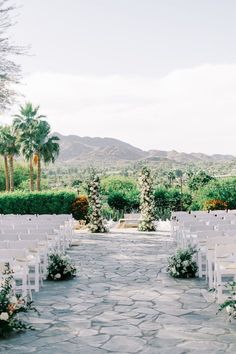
124, 302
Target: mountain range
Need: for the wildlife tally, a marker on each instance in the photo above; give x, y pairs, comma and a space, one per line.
75, 149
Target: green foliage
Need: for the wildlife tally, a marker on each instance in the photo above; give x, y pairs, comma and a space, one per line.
118, 200
122, 193
230, 303
224, 190
21, 174
25, 186
199, 180
36, 203
172, 199
118, 183
76, 183
109, 213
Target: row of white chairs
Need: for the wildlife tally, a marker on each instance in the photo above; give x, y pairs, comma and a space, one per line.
26, 248
214, 237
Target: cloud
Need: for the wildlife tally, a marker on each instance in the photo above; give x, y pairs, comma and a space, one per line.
187, 110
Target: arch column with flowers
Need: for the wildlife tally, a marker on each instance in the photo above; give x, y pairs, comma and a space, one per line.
96, 222
146, 201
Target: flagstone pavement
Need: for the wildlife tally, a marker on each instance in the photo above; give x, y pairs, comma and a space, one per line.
124, 302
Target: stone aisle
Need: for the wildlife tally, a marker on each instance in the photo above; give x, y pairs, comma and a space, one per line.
124, 302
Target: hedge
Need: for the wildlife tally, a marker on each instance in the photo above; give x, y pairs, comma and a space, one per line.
37, 202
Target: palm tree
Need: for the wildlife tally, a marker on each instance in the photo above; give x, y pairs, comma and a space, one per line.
27, 149
11, 148
171, 177
46, 148
25, 124
179, 174
3, 147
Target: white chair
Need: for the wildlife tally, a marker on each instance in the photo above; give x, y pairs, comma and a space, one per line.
20, 269
9, 237
210, 256
225, 265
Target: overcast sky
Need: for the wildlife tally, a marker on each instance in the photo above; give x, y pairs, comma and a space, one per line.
155, 73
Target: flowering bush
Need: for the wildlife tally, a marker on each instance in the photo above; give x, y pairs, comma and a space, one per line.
230, 304
215, 204
11, 306
182, 265
80, 208
60, 267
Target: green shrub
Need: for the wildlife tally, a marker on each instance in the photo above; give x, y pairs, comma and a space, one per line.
118, 183
167, 200
80, 208
199, 180
36, 203
172, 199
118, 200
21, 175
224, 190
109, 213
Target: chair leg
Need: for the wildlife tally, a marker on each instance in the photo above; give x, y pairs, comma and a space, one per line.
199, 261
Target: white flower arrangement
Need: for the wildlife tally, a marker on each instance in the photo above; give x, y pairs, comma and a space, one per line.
182, 264
146, 201
60, 267
11, 306
229, 305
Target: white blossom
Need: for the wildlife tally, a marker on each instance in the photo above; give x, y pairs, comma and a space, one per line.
4, 316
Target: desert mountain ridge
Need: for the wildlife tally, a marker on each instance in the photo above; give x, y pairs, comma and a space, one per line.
74, 148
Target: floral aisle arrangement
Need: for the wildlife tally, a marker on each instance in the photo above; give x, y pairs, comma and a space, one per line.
230, 303
96, 222
60, 267
182, 264
146, 201
11, 306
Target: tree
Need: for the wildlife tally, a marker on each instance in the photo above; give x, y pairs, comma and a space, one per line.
199, 180
25, 125
46, 148
9, 70
3, 152
118, 183
171, 177
223, 190
179, 174
10, 148
146, 201
122, 192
